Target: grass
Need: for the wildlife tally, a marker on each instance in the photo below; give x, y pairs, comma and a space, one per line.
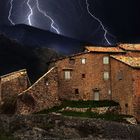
89, 104
79, 104
88, 114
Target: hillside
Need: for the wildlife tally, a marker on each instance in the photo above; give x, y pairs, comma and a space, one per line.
14, 56
32, 36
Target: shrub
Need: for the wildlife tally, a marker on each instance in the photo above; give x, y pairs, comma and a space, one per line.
88, 114
9, 105
89, 103
79, 104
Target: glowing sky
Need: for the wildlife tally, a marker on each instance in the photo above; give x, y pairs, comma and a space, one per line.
104, 21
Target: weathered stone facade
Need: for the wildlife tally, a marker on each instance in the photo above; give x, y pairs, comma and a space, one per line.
86, 79
13, 84
126, 87
41, 95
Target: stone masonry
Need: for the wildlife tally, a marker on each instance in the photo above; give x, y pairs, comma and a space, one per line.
41, 95
12, 84
86, 78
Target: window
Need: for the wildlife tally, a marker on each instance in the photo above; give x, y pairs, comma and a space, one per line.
83, 60
109, 92
106, 60
46, 82
76, 91
120, 75
83, 76
106, 75
126, 105
72, 61
67, 74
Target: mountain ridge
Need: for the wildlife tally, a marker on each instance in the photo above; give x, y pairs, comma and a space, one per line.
32, 36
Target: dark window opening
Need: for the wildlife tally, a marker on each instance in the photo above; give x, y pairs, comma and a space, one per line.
126, 105
120, 75
72, 61
83, 76
77, 91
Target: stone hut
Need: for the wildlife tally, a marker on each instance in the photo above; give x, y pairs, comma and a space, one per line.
12, 84
43, 94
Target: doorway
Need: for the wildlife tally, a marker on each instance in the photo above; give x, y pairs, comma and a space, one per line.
96, 96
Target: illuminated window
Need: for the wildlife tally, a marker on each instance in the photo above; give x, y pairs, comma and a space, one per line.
67, 74
83, 60
46, 82
106, 60
106, 75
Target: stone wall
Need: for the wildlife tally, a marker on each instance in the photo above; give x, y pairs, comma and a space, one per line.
41, 127
41, 95
13, 84
136, 90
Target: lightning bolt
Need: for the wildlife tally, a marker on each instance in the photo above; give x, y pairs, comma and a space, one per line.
31, 12
53, 24
10, 12
99, 21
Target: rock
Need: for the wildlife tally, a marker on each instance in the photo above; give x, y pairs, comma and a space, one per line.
131, 120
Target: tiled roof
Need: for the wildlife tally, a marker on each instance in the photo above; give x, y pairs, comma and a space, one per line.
131, 61
130, 47
103, 49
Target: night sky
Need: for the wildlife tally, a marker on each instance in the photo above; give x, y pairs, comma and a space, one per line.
119, 17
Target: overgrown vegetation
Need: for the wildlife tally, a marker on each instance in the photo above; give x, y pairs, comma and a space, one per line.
89, 104
80, 104
89, 114
9, 105
28, 99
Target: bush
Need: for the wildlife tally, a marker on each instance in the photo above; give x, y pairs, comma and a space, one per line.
79, 104
89, 104
9, 105
89, 114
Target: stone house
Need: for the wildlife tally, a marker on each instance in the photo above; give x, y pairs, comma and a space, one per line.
125, 83
86, 76
13, 84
